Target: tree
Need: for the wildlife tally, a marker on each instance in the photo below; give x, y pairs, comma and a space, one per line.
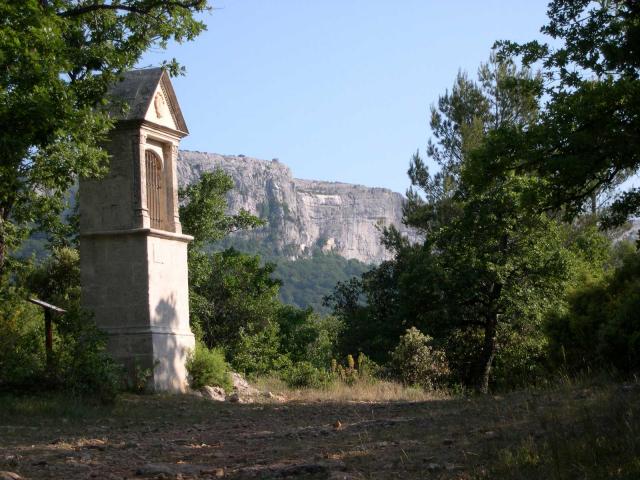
234, 294
587, 138
204, 206
369, 311
221, 284
487, 261
600, 328
462, 119
59, 58
492, 264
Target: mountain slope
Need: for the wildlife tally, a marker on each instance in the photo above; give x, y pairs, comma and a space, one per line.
303, 216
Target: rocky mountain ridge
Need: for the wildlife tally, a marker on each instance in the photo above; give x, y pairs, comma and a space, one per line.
303, 216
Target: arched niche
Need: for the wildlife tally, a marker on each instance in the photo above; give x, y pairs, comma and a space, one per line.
156, 190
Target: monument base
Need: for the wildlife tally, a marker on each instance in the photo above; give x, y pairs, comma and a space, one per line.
136, 284
161, 355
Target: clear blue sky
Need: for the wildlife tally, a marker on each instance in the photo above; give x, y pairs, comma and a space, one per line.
336, 89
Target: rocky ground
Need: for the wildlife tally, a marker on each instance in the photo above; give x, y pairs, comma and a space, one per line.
187, 437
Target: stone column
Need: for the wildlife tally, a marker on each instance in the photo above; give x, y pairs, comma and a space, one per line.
173, 215
140, 210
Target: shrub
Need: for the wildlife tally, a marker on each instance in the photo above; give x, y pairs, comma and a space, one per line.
81, 362
601, 327
365, 370
22, 355
258, 353
368, 370
305, 375
416, 362
208, 367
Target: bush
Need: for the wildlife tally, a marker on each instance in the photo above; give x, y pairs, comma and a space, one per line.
258, 353
415, 362
208, 367
305, 375
22, 357
601, 327
81, 362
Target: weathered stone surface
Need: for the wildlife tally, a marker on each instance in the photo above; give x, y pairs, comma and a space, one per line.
9, 476
303, 215
213, 393
241, 386
133, 256
273, 396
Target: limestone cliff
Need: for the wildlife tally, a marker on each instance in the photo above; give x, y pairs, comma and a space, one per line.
303, 215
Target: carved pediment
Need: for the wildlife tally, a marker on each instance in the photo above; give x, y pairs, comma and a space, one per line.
150, 97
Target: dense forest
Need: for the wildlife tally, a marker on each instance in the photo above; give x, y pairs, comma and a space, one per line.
305, 281
516, 280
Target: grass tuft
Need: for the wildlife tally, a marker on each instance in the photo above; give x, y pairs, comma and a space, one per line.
357, 391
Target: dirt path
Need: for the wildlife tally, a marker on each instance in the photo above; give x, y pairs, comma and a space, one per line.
191, 438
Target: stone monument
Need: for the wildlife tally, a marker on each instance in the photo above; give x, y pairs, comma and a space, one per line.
133, 255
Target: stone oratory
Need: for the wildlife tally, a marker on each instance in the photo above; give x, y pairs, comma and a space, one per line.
133, 254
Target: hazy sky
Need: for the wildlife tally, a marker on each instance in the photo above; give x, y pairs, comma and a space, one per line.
336, 89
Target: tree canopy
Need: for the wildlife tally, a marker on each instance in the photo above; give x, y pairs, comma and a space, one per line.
493, 263
586, 140
58, 59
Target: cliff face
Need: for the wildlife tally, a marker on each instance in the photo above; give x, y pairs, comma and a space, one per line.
303, 215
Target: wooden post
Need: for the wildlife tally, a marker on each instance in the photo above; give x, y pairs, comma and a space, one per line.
49, 311
48, 337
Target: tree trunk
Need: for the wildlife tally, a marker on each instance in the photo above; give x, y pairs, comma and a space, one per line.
488, 353
3, 245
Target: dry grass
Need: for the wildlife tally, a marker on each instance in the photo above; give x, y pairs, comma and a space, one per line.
359, 391
374, 431
596, 437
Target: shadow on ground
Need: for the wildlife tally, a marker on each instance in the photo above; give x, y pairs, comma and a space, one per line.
191, 438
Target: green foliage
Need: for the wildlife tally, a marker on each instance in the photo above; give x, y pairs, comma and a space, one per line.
493, 264
203, 211
82, 365
22, 356
364, 371
230, 292
58, 60
369, 311
487, 261
138, 380
258, 352
57, 279
601, 327
306, 281
208, 367
305, 375
306, 336
416, 362
234, 299
586, 141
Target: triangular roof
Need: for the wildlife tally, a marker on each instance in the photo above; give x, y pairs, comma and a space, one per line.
138, 89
